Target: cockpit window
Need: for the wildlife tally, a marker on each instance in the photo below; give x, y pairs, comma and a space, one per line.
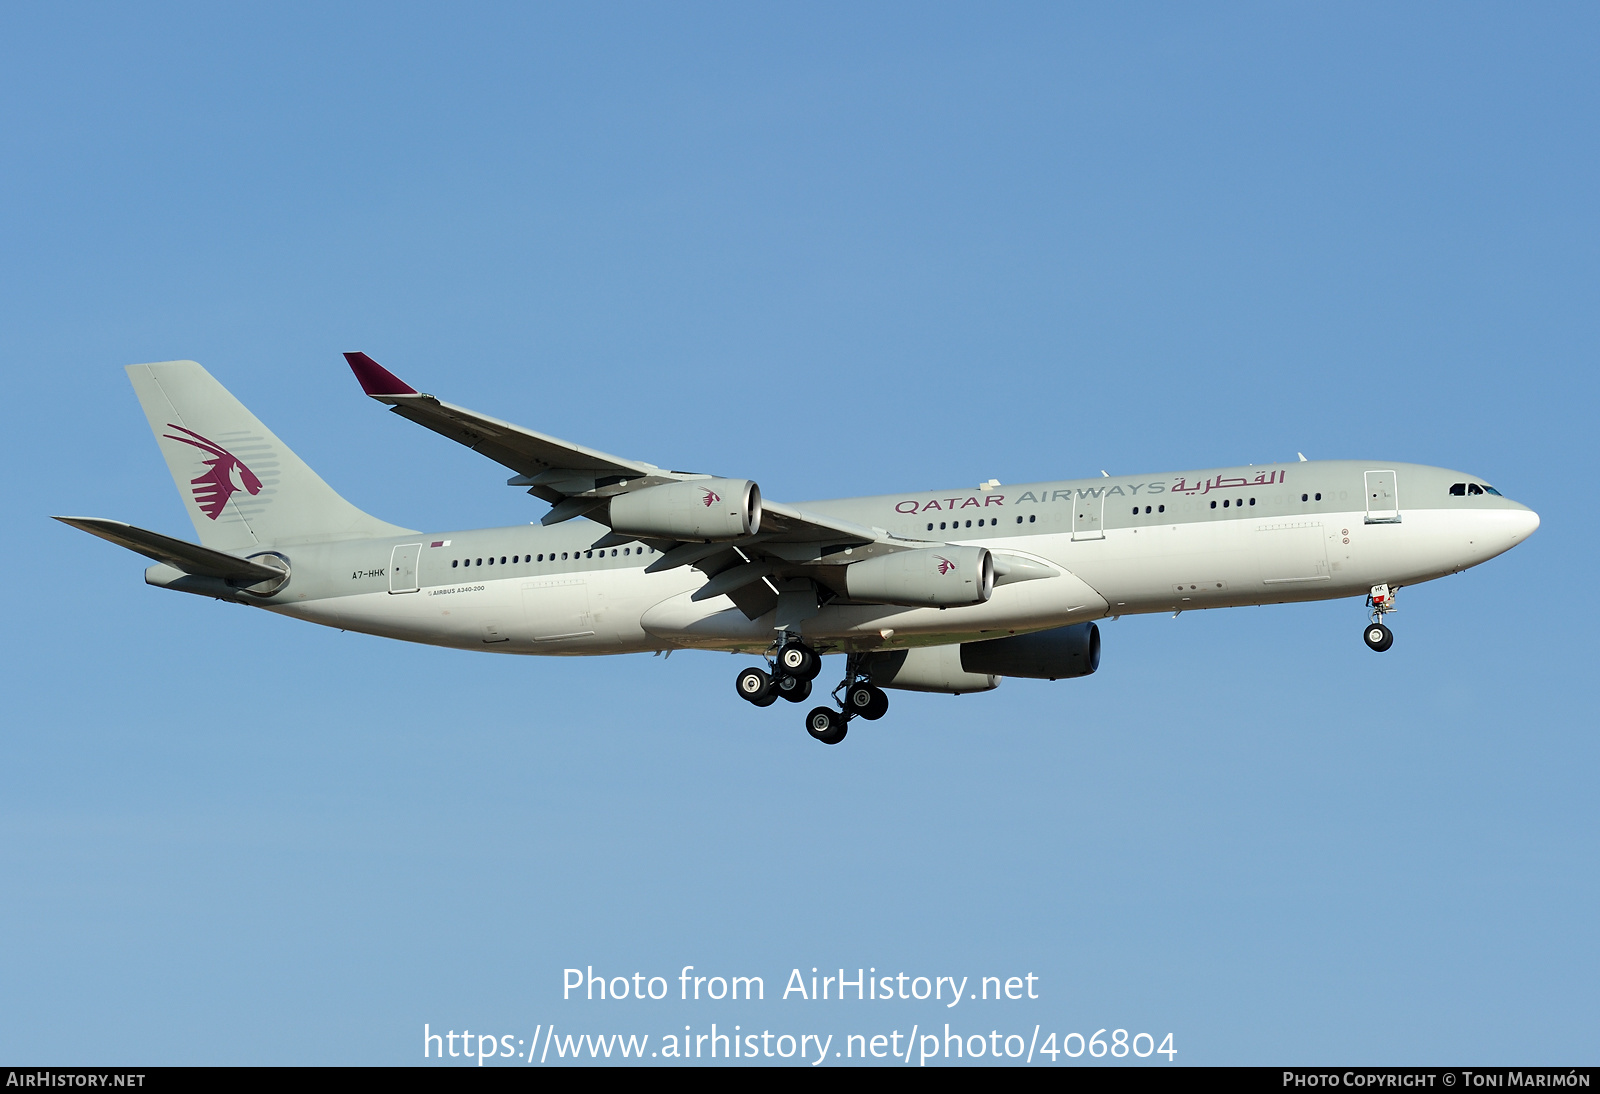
1458, 490
1491, 490
1474, 488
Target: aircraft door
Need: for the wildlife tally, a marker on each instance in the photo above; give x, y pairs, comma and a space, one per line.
403, 568
1383, 498
1088, 508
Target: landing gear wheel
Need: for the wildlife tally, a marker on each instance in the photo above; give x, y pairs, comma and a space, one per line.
794, 689
799, 659
756, 687
826, 725
867, 701
1378, 637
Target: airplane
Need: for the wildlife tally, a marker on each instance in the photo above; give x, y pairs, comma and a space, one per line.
936, 591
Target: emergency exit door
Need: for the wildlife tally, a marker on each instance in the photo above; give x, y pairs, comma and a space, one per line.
1383, 498
403, 568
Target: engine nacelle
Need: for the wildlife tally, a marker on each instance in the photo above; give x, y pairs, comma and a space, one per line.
930, 577
1058, 654
707, 509
926, 668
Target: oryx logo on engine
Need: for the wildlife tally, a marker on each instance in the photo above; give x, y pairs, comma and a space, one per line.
945, 565
712, 497
226, 477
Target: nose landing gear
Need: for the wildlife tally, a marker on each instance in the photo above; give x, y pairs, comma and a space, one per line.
1377, 636
794, 666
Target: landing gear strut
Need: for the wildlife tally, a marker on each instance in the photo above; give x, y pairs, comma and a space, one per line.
1377, 636
794, 665
861, 699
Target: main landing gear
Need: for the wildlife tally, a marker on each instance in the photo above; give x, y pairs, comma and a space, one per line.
793, 667
1379, 637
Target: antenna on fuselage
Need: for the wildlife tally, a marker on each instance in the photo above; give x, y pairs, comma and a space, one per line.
1302, 456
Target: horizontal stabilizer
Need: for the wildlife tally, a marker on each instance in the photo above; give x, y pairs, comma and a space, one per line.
191, 558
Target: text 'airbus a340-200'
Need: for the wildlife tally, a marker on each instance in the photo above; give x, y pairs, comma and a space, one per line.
942, 592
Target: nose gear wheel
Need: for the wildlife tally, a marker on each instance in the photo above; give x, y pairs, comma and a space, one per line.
1377, 636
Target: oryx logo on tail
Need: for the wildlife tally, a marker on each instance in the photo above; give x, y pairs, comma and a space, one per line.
945, 565
227, 475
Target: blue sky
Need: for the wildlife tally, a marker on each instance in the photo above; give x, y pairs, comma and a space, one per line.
840, 251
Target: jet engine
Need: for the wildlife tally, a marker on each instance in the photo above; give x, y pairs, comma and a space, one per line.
1058, 654
930, 577
704, 509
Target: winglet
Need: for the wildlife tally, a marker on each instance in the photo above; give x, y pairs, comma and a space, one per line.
376, 380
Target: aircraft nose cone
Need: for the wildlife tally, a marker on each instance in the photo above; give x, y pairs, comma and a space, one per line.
1503, 529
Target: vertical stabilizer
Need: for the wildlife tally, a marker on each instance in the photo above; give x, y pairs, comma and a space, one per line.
243, 488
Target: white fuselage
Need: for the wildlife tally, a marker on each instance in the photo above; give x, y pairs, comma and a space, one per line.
533, 590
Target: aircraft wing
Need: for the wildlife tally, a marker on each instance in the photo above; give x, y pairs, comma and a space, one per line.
548, 463
578, 480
